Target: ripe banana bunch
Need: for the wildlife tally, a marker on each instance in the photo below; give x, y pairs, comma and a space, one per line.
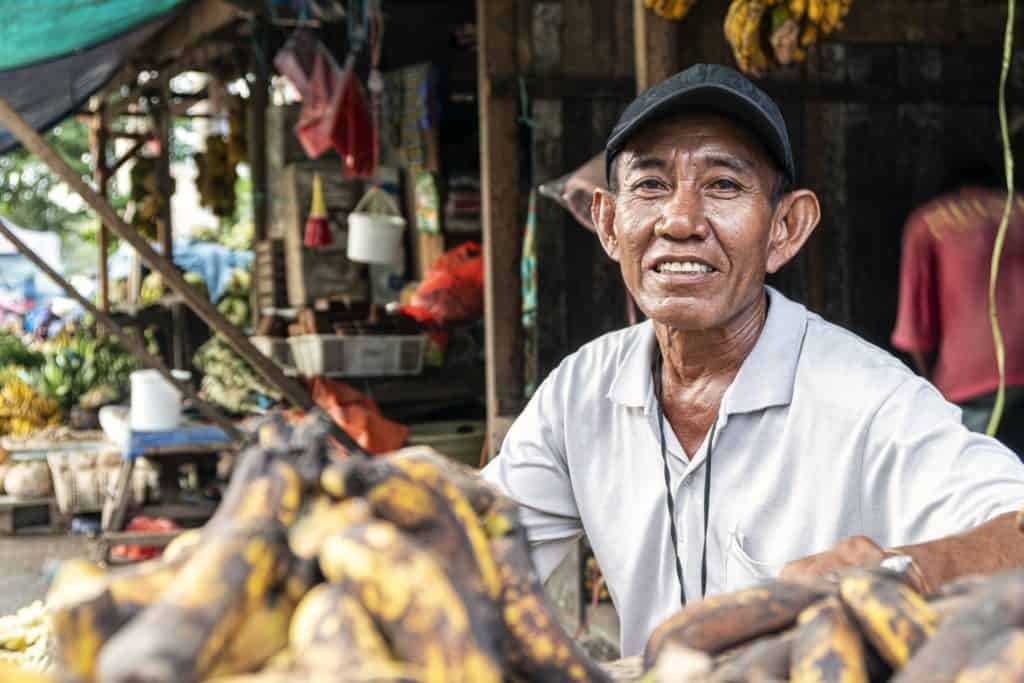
407, 567
23, 411
675, 10
869, 625
793, 26
23, 628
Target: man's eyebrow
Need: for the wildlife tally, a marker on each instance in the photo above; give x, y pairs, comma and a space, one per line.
642, 162
733, 163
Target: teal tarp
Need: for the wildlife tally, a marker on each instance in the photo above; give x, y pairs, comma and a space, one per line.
33, 31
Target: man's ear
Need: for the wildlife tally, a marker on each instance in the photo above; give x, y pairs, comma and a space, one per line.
795, 218
602, 213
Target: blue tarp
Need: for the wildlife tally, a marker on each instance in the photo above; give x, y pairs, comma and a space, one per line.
138, 442
212, 261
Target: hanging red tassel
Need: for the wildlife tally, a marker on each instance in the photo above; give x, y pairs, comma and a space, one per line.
318, 229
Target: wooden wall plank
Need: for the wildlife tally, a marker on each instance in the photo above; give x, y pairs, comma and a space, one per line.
497, 22
656, 47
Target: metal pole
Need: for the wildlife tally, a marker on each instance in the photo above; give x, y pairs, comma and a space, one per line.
131, 343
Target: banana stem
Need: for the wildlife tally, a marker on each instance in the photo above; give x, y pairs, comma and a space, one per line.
997, 249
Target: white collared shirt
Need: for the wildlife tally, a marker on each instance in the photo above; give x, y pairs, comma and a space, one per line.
820, 436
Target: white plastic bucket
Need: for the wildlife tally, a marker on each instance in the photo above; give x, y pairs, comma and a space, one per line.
374, 237
156, 403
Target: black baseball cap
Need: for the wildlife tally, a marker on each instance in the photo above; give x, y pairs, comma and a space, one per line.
714, 88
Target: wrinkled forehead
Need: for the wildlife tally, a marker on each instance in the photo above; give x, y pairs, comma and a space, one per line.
696, 134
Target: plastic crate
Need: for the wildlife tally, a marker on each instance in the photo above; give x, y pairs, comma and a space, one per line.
276, 349
358, 356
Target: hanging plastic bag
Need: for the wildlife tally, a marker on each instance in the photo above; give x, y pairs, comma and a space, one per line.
296, 58
353, 134
452, 291
320, 107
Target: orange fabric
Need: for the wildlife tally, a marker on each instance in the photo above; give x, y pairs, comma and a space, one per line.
358, 415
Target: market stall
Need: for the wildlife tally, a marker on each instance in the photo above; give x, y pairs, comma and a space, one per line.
403, 285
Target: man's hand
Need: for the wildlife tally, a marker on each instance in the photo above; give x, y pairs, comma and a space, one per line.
854, 551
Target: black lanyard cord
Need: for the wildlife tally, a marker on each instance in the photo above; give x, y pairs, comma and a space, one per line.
670, 500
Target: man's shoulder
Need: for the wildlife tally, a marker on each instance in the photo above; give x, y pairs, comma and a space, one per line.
594, 366
840, 363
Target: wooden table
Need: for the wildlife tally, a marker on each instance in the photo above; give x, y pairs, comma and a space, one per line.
167, 460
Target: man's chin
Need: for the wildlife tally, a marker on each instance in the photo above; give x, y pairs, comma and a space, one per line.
684, 318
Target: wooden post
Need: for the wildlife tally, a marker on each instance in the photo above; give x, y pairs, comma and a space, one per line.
497, 22
258, 148
656, 46
34, 143
164, 183
137, 348
101, 176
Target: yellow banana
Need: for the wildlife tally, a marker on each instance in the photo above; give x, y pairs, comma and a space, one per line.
896, 619
827, 648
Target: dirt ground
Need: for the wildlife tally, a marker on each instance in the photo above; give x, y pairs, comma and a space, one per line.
25, 561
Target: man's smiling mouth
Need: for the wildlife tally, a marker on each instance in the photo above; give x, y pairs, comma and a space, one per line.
683, 267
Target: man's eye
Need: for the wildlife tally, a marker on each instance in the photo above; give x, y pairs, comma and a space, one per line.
725, 184
649, 184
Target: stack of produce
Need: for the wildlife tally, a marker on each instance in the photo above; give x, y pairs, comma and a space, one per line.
26, 639
23, 410
792, 27
670, 9
79, 364
869, 625
402, 568
234, 304
146, 197
229, 381
153, 287
216, 177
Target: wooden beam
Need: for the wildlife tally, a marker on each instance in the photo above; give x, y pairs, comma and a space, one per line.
656, 46
133, 345
204, 18
934, 22
130, 154
497, 21
164, 183
568, 87
33, 142
101, 176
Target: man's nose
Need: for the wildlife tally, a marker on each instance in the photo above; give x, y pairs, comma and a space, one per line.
682, 216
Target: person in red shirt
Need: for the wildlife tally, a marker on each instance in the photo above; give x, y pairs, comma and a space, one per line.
943, 317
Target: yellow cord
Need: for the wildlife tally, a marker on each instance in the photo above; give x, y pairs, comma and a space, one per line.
997, 250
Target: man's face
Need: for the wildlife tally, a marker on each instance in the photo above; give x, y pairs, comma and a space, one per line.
692, 220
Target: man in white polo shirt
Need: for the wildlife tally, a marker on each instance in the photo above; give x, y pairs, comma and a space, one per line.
735, 436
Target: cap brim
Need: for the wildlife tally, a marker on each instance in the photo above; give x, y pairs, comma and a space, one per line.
707, 97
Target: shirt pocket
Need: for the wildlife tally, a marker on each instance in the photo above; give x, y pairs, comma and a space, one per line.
742, 570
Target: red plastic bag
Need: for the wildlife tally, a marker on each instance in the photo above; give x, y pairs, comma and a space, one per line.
142, 523
353, 130
358, 415
452, 291
320, 106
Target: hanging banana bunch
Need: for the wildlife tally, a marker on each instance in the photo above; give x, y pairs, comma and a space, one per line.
795, 25
675, 10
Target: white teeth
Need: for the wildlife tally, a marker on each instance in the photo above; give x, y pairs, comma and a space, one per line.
683, 267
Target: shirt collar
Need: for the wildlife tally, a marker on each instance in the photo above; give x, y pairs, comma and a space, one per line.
765, 379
